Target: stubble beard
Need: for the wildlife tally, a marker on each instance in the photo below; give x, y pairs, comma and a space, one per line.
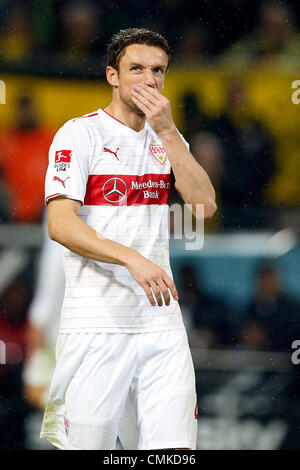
132, 107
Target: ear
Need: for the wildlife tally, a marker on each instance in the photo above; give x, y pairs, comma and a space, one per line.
112, 76
165, 77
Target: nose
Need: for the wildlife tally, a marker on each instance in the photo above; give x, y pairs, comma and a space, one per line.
150, 79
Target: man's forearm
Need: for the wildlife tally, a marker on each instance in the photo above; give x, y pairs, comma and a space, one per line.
77, 236
192, 181
66, 227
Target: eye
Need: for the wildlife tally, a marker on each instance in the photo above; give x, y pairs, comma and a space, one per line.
135, 67
158, 70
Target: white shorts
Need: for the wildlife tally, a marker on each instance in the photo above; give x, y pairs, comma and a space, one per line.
138, 386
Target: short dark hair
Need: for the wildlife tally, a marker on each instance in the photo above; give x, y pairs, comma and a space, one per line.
125, 37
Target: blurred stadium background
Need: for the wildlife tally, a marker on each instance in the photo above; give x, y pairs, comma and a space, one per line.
230, 86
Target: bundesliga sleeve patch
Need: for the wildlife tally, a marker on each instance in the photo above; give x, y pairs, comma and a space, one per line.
63, 156
62, 160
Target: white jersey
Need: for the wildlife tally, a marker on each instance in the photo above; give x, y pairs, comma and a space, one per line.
122, 178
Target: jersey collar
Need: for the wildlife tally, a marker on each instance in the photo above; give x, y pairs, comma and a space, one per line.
122, 123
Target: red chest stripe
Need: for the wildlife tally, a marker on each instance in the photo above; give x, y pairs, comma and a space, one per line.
127, 189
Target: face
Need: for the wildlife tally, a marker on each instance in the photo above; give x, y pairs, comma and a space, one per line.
146, 65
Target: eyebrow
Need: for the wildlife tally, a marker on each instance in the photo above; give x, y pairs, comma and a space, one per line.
135, 64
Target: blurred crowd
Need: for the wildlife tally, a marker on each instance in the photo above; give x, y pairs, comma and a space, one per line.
24, 150
62, 35
270, 321
239, 155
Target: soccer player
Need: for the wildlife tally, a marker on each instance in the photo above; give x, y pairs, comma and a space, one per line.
123, 362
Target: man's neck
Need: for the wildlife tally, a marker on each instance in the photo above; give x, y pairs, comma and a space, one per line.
126, 116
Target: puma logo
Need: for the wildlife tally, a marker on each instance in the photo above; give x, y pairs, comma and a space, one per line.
56, 178
110, 151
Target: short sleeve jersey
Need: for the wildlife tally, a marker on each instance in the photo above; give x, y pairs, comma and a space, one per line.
122, 178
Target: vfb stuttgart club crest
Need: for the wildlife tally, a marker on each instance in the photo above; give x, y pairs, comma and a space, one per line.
159, 152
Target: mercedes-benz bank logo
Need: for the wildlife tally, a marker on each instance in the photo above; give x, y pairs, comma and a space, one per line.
114, 190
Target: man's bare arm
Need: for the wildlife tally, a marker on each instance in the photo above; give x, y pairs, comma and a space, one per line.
66, 228
192, 182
